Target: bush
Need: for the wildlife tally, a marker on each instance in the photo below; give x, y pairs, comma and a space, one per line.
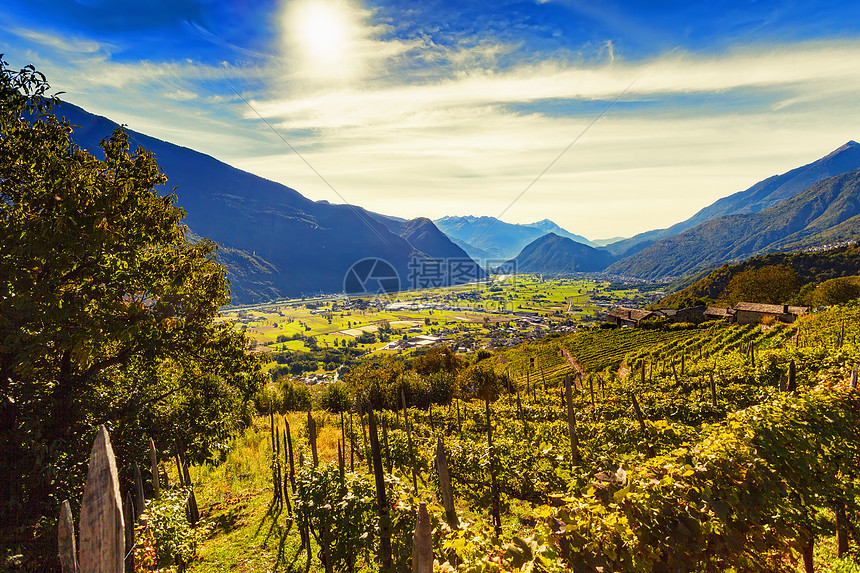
296, 396
269, 398
336, 398
167, 530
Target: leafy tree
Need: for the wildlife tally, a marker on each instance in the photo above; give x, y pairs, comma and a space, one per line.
106, 311
438, 359
772, 284
297, 395
835, 291
335, 398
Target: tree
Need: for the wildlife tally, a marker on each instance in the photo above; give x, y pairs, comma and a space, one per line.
106, 310
773, 284
835, 291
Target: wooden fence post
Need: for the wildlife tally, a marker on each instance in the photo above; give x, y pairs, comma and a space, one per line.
128, 511
445, 484
292, 462
494, 487
381, 501
312, 437
713, 385
66, 540
139, 503
593, 404
153, 464
422, 543
102, 535
854, 378
571, 423
409, 442
791, 385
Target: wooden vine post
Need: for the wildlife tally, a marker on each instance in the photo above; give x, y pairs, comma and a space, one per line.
139, 503
388, 463
422, 543
445, 485
312, 438
571, 423
102, 535
128, 516
381, 501
289, 439
854, 378
593, 404
409, 441
494, 486
713, 386
791, 385
66, 540
153, 463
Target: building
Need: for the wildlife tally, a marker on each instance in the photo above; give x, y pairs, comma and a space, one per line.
629, 317
753, 312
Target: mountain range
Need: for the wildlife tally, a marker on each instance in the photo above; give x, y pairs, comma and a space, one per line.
275, 242
760, 196
558, 255
493, 240
827, 212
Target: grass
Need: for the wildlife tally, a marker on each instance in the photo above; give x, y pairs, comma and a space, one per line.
246, 532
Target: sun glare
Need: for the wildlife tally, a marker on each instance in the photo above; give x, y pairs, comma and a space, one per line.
320, 33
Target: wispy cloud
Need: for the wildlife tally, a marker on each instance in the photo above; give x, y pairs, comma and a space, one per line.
409, 126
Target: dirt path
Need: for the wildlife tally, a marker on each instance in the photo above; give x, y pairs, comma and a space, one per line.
570, 360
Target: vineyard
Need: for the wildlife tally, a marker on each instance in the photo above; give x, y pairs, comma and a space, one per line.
605, 450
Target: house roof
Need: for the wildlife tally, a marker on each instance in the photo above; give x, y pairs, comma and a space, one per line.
633, 314
718, 311
769, 308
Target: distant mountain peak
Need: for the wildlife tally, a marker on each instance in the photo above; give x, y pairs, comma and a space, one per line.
851, 146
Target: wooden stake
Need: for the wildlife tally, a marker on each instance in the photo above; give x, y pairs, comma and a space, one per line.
494, 487
791, 385
102, 527
422, 543
445, 485
292, 464
571, 424
153, 464
66, 540
139, 503
381, 501
409, 441
312, 438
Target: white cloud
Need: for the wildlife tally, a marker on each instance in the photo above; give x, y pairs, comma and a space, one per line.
423, 129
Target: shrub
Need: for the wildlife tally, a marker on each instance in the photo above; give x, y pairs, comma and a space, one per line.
335, 398
296, 396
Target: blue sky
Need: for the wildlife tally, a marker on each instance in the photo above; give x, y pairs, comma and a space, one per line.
444, 108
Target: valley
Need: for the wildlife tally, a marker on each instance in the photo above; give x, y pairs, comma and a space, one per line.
322, 334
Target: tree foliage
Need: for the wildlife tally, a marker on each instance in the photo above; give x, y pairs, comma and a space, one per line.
773, 284
106, 309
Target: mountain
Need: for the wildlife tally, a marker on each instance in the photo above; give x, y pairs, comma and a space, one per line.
558, 255
275, 242
828, 212
490, 238
426, 237
548, 226
760, 196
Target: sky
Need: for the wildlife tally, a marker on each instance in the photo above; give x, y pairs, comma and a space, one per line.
608, 117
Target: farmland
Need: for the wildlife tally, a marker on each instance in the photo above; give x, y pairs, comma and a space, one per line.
702, 426
467, 317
